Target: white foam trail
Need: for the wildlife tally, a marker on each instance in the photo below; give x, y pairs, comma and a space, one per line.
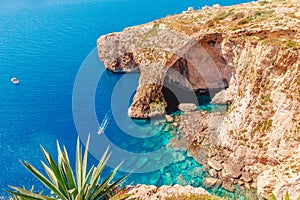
104, 122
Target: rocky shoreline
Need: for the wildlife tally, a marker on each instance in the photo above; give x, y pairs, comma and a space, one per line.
151, 192
200, 129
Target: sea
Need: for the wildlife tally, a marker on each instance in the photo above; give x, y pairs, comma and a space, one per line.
46, 45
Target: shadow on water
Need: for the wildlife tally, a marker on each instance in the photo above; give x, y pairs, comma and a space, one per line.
175, 95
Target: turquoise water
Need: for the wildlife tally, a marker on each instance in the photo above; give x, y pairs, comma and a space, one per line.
43, 45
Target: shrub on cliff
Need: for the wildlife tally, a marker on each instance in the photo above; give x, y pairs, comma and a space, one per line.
62, 182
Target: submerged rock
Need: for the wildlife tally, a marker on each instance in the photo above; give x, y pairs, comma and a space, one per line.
154, 178
168, 127
196, 172
141, 162
181, 180
228, 186
149, 144
178, 157
167, 179
209, 182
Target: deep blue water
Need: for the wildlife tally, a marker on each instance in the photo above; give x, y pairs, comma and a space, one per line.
43, 45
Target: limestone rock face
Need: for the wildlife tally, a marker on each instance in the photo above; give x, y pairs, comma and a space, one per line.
264, 113
148, 102
120, 62
254, 50
281, 179
161, 54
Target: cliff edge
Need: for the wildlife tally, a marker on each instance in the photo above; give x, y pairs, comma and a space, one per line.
251, 49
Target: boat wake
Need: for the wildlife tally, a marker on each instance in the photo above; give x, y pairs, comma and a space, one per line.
104, 122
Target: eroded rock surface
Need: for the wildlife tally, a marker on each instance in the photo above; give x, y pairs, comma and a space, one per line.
253, 49
151, 192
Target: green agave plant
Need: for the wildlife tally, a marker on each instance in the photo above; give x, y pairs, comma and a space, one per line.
62, 182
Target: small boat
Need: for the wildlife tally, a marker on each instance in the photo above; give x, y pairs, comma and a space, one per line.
14, 80
100, 131
104, 123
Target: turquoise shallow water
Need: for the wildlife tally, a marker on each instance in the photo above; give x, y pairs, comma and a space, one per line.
43, 45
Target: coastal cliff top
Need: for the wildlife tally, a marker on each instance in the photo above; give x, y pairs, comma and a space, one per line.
280, 18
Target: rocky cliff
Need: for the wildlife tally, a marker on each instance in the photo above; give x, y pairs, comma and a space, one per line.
253, 49
151, 192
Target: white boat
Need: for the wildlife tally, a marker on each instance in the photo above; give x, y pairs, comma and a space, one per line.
104, 123
100, 131
14, 80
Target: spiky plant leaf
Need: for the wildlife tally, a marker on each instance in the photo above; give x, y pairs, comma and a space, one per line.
44, 180
78, 165
287, 196
55, 169
62, 181
67, 169
25, 194
104, 185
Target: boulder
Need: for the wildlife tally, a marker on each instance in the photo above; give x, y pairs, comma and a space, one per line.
209, 182
221, 97
246, 177
190, 9
228, 186
157, 123
231, 170
187, 107
218, 183
214, 164
240, 183
169, 119
213, 173
141, 190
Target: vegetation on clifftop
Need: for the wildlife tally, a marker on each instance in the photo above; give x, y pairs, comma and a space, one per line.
267, 16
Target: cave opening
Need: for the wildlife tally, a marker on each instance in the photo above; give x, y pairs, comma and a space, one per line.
196, 76
174, 95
